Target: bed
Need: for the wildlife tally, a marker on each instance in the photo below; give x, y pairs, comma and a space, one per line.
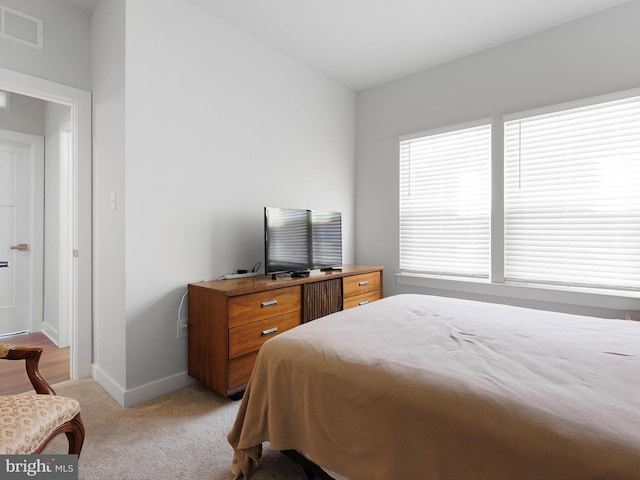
418, 386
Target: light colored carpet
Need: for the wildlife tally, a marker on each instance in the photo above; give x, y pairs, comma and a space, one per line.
181, 435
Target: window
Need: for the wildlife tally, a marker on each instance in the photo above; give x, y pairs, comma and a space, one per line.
569, 219
445, 202
572, 196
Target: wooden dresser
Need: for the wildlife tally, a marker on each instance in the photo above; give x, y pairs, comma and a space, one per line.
229, 320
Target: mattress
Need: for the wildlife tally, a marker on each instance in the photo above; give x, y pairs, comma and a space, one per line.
418, 386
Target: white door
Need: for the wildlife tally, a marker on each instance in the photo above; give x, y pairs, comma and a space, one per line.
20, 310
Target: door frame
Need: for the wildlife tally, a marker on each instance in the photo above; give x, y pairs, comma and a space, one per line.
79, 292
35, 145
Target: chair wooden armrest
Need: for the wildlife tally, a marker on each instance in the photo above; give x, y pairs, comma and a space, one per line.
31, 355
30, 422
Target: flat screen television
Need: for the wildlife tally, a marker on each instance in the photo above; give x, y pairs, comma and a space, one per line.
297, 240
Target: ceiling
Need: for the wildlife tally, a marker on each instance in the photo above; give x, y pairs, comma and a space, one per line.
86, 5
363, 43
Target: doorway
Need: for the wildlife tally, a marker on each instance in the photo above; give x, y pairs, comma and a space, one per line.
21, 231
76, 290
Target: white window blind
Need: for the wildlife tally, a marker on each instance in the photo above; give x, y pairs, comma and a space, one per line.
445, 203
572, 196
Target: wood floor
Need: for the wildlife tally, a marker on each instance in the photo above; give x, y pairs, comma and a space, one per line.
54, 364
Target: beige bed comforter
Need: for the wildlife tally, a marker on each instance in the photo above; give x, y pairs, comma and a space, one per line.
422, 387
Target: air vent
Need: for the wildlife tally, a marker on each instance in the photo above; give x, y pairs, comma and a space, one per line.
20, 27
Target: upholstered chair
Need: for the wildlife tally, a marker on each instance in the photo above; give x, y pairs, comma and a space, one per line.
28, 422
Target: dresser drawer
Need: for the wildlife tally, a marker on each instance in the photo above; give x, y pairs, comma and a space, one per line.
240, 370
270, 303
359, 300
249, 338
360, 284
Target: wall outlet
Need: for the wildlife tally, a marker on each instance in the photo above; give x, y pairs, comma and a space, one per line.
183, 329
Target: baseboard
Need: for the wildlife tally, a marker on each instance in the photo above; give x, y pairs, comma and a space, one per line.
107, 382
154, 389
51, 333
134, 396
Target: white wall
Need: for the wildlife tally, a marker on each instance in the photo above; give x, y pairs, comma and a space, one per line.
26, 115
108, 56
65, 57
216, 125
592, 56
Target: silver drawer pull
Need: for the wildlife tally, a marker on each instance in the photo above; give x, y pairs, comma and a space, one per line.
362, 284
364, 302
4, 264
269, 331
270, 303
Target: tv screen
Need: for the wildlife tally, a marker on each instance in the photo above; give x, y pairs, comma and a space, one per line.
297, 240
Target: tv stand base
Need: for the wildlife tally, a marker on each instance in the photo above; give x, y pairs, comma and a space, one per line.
299, 274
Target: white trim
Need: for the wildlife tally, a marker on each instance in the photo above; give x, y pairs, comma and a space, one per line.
148, 391
50, 332
448, 128
107, 382
37, 222
584, 102
66, 234
80, 103
587, 297
157, 388
11, 334
497, 201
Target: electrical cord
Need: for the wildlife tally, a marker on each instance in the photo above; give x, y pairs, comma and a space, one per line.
181, 304
254, 269
182, 323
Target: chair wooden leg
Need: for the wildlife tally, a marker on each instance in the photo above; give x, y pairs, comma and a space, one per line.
75, 435
74, 430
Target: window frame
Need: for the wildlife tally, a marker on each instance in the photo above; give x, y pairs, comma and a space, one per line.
495, 285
